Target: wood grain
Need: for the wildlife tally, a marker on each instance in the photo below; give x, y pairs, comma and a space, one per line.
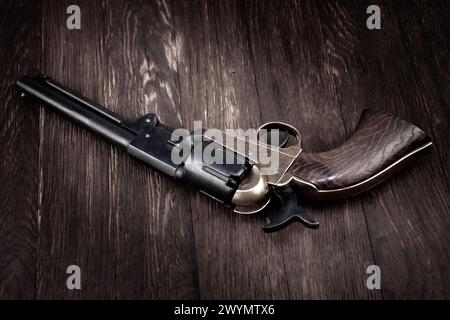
431, 65
69, 198
295, 85
235, 259
155, 253
75, 217
408, 215
20, 52
379, 140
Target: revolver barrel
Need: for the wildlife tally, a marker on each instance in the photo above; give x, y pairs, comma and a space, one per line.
145, 138
77, 108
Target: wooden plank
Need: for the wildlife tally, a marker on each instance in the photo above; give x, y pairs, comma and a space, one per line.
76, 219
294, 78
20, 52
424, 31
393, 69
69, 198
155, 253
236, 260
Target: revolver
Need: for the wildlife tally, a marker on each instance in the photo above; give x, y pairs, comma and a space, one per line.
380, 145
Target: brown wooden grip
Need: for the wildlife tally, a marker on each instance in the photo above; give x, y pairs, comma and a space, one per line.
380, 145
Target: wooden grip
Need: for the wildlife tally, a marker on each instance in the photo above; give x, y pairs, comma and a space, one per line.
380, 145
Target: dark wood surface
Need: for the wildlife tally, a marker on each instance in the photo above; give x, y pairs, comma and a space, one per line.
69, 198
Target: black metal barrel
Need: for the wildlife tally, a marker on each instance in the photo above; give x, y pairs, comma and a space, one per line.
86, 113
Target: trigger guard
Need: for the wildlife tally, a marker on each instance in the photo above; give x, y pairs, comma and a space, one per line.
281, 125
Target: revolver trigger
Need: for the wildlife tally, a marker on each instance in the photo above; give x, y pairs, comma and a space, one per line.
289, 212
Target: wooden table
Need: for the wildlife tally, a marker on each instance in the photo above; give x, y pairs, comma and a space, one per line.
69, 198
